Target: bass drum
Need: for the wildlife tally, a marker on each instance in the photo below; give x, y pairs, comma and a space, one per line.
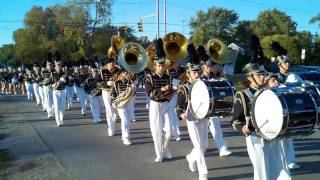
211, 98
284, 112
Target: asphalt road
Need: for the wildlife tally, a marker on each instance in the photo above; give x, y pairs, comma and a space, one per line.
86, 152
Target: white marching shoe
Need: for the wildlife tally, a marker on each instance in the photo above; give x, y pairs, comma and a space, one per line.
110, 132
192, 164
126, 142
203, 177
293, 166
224, 153
167, 154
158, 159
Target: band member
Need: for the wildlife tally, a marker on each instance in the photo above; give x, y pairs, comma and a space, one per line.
108, 73
271, 80
29, 84
284, 77
158, 88
92, 88
267, 157
81, 75
59, 94
47, 81
198, 129
69, 87
210, 73
36, 86
174, 74
122, 93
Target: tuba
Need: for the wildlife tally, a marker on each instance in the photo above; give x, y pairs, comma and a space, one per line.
217, 51
133, 57
151, 52
175, 46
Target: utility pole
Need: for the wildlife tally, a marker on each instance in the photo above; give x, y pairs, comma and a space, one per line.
158, 18
165, 16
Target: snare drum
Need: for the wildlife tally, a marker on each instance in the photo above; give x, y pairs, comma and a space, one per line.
284, 112
211, 98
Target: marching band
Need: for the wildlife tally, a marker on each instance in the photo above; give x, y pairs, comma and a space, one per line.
172, 97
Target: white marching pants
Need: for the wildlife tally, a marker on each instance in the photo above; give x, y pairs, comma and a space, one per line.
59, 101
173, 115
124, 114
43, 103
48, 100
268, 158
95, 104
131, 108
69, 96
287, 144
29, 87
215, 129
160, 122
111, 112
81, 94
198, 132
36, 91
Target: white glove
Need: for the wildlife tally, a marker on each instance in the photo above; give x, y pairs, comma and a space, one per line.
109, 83
133, 85
62, 79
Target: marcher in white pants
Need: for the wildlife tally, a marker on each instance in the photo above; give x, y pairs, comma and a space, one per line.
59, 101
41, 93
37, 93
159, 123
215, 129
81, 94
122, 85
49, 101
174, 119
111, 112
95, 108
80, 77
94, 94
198, 129
29, 85
156, 85
267, 157
59, 94
69, 96
108, 74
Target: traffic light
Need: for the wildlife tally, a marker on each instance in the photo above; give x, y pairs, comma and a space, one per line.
140, 26
43, 29
61, 30
125, 29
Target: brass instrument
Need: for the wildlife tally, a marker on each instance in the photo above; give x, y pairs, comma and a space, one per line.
151, 52
133, 57
217, 51
124, 97
175, 46
116, 44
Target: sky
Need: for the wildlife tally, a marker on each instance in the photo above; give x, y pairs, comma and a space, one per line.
179, 13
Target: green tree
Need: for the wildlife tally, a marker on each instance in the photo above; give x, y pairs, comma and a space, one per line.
242, 32
271, 22
215, 23
291, 44
7, 54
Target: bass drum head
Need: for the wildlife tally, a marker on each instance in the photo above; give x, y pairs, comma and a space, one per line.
199, 100
268, 114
